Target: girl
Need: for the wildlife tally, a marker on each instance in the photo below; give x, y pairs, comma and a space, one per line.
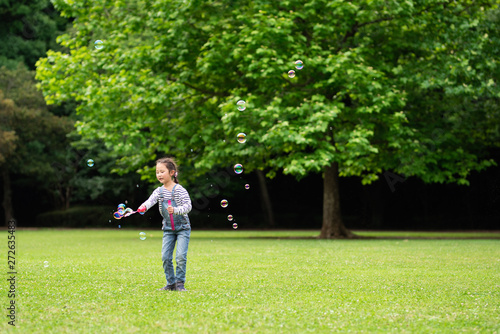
180, 230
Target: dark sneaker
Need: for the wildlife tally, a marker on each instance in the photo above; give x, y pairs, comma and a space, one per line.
180, 286
170, 287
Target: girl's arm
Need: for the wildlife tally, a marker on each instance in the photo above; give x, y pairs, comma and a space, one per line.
183, 202
152, 200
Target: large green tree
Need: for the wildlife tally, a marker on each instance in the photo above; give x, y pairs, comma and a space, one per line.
376, 76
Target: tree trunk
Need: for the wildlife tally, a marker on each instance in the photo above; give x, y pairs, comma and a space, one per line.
7, 196
424, 198
67, 197
471, 217
376, 204
333, 226
266, 202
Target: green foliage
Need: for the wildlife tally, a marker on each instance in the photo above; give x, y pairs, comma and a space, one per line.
35, 134
28, 31
452, 92
34, 142
96, 184
8, 137
100, 281
377, 76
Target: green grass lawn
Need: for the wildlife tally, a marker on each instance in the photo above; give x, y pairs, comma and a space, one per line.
103, 281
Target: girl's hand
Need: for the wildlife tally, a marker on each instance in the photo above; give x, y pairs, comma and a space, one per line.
170, 210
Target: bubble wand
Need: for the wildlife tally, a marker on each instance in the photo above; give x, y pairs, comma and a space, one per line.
171, 216
121, 213
129, 213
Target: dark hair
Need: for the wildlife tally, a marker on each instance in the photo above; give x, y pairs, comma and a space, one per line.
171, 165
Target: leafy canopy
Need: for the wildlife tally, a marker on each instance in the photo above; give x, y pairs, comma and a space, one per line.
379, 78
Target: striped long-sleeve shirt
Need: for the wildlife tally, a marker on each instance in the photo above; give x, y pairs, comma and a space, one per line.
182, 199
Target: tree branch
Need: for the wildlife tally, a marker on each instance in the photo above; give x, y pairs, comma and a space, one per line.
205, 91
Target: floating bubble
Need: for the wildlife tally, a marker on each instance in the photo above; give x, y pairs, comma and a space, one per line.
242, 137
241, 105
117, 215
235, 226
119, 226
291, 73
128, 210
109, 221
224, 203
230, 217
247, 186
238, 168
45, 264
98, 44
142, 236
299, 64
142, 213
123, 206
90, 162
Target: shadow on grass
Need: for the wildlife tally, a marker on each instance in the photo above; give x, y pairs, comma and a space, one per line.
378, 238
396, 235
438, 235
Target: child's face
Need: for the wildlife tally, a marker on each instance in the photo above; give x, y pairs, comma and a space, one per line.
162, 173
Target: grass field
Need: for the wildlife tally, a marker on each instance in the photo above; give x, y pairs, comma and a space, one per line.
106, 281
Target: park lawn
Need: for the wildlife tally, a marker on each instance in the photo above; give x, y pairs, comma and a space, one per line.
100, 281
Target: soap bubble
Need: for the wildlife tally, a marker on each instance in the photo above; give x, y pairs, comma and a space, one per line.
247, 186
299, 64
117, 215
123, 206
90, 162
99, 44
224, 203
238, 168
119, 226
235, 226
141, 213
142, 236
241, 105
291, 73
45, 264
230, 217
242, 137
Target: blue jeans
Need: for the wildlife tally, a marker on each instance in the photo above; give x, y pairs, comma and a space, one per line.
167, 251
